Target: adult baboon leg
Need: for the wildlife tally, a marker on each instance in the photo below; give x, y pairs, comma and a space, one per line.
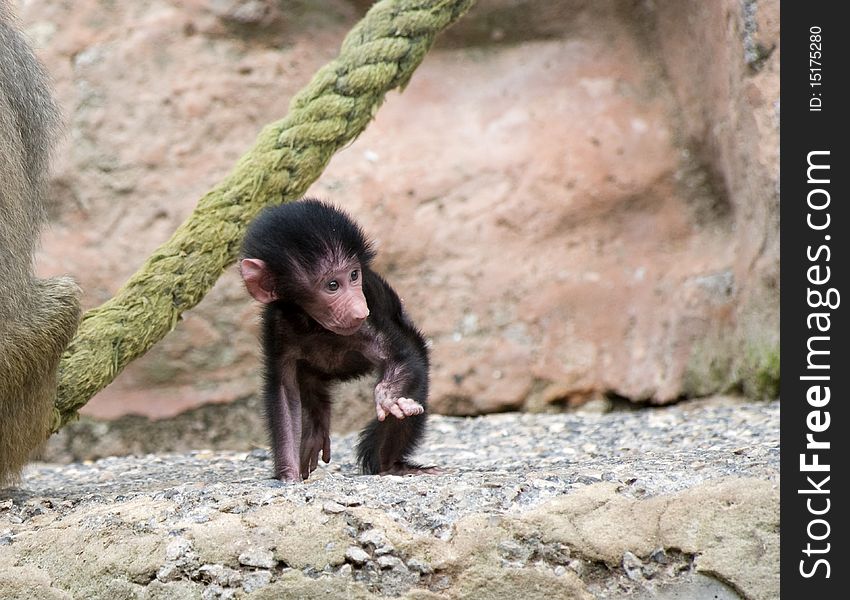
37, 317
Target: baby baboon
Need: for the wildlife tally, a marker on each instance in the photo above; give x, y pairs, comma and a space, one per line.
329, 317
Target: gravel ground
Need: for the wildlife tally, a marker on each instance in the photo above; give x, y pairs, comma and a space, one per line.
651, 450
505, 466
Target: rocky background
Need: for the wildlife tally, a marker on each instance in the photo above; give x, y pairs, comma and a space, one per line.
577, 199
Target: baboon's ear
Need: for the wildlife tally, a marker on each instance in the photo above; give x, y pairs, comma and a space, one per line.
257, 279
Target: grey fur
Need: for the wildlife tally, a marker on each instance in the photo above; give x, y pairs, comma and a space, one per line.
37, 317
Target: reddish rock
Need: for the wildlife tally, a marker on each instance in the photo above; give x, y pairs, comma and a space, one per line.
580, 203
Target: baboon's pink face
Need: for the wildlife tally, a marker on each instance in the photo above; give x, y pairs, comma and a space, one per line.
334, 295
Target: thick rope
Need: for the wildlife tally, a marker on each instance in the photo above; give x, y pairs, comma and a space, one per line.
379, 54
